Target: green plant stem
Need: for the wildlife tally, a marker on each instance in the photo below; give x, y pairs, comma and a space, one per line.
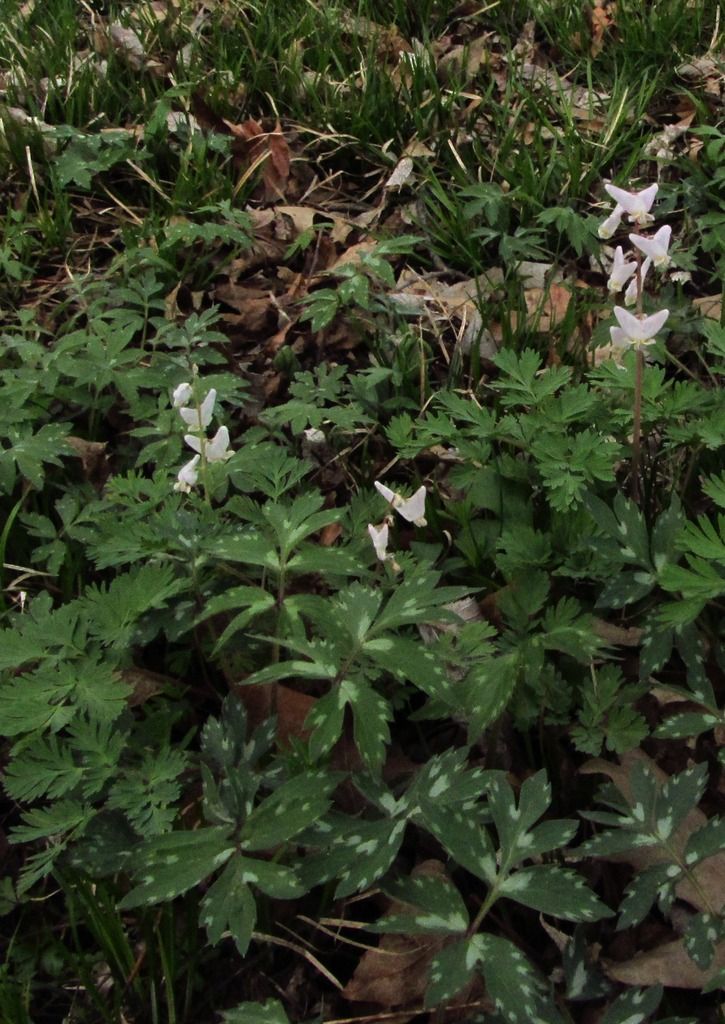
638, 382
484, 908
203, 464
637, 424
692, 879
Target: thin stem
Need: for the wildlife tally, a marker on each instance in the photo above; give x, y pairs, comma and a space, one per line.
203, 463
484, 909
692, 879
638, 382
637, 425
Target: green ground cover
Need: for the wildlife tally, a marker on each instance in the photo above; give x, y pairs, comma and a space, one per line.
363, 555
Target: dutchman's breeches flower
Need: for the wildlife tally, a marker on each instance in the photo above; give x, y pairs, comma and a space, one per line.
379, 537
655, 248
197, 419
635, 331
216, 450
635, 204
621, 271
411, 509
188, 476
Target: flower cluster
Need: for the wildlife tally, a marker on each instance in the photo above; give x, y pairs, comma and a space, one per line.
197, 418
411, 509
635, 330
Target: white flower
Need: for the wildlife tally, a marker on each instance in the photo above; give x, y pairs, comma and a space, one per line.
630, 296
607, 228
656, 248
621, 271
412, 509
188, 476
182, 394
379, 537
216, 450
192, 418
619, 338
635, 204
636, 331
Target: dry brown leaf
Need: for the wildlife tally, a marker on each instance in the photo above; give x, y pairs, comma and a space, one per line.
401, 173
709, 306
302, 218
457, 304
93, 459
329, 534
601, 18
257, 308
620, 636
415, 294
396, 972
545, 307
389, 43
469, 58
708, 71
127, 45
270, 149
709, 892
353, 254
668, 964
145, 684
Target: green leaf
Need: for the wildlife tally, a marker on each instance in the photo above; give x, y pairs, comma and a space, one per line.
653, 883
440, 907
714, 487
325, 720
584, 980
633, 1006
147, 792
513, 821
31, 450
114, 610
463, 837
511, 982
45, 768
450, 971
706, 842
418, 599
271, 1012
704, 932
54, 820
626, 588
170, 864
247, 546
487, 690
409, 660
254, 601
522, 383
679, 795
229, 906
556, 891
371, 714
295, 805
361, 854
686, 725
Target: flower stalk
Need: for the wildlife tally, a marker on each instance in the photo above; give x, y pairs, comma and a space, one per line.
636, 330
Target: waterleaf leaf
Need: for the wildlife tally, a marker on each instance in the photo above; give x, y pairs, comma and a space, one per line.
556, 891
170, 864
634, 1006
229, 906
517, 991
441, 907
295, 805
450, 971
